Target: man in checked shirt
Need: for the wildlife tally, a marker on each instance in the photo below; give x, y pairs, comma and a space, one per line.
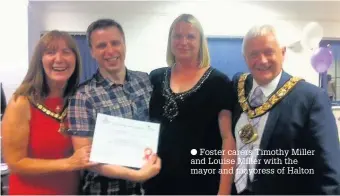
113, 90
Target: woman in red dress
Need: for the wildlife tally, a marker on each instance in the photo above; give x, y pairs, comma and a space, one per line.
40, 157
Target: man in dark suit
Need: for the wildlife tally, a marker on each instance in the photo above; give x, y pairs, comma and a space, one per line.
285, 131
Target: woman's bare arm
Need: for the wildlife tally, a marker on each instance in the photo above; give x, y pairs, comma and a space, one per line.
15, 141
228, 145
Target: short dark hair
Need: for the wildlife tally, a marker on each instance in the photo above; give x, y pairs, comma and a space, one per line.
102, 24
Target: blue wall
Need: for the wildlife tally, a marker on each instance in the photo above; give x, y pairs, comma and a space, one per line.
89, 64
226, 55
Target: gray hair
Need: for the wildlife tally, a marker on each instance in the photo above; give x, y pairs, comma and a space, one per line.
256, 31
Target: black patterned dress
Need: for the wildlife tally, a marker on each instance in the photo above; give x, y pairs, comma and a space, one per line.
189, 120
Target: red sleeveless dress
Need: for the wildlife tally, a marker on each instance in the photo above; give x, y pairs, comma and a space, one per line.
45, 142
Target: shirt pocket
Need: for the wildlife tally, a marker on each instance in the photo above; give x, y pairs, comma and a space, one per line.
141, 102
110, 107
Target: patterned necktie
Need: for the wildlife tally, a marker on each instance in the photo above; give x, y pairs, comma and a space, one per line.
241, 176
256, 98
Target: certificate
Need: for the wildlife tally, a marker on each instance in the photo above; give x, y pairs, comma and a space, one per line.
121, 141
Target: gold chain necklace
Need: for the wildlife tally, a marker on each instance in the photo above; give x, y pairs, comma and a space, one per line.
248, 133
270, 103
60, 117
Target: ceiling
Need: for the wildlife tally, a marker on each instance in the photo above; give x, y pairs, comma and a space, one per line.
298, 10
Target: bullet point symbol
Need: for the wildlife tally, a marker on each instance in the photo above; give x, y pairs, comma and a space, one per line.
194, 152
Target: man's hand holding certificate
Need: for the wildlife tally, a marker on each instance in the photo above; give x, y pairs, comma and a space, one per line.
125, 142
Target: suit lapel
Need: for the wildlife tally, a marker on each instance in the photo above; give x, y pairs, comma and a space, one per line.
273, 115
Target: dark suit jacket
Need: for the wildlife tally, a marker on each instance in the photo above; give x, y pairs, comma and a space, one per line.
302, 120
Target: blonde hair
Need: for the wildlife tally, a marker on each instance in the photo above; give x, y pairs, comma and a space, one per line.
203, 51
34, 85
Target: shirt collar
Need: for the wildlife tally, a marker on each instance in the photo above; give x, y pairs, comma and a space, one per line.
269, 88
100, 79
